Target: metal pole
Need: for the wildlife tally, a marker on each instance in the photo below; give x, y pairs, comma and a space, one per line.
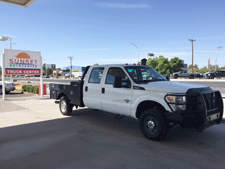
217, 54
137, 52
41, 80
10, 48
192, 53
70, 66
3, 77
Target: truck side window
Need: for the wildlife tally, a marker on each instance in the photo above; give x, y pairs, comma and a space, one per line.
112, 72
96, 75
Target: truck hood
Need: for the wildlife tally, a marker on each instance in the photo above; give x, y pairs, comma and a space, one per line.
170, 87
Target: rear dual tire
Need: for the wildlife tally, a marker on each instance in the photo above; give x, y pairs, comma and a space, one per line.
65, 107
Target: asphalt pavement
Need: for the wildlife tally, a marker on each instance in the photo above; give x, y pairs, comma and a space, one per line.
34, 135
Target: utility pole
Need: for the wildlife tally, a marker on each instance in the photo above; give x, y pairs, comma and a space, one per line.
192, 52
219, 47
209, 65
71, 58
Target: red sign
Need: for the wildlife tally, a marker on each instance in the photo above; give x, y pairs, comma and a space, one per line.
22, 71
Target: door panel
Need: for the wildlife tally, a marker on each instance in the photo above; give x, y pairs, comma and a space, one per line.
116, 100
92, 89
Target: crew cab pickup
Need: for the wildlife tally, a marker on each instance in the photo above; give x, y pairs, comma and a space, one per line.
183, 74
144, 94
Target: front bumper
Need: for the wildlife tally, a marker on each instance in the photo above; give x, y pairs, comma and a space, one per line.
204, 109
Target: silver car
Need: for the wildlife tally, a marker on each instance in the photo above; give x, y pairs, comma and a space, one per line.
9, 86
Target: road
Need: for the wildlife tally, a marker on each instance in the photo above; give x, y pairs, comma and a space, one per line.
96, 139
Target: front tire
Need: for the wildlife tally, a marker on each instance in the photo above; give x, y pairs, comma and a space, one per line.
153, 125
65, 107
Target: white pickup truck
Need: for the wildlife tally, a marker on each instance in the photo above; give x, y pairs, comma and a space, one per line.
144, 94
9, 86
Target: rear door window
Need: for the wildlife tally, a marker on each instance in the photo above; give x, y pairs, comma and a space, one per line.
96, 75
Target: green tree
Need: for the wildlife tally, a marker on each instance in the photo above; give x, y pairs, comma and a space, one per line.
195, 66
164, 66
49, 71
95, 64
176, 64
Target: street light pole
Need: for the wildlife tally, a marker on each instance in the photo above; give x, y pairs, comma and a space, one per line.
219, 47
137, 51
71, 58
192, 52
3, 38
2, 58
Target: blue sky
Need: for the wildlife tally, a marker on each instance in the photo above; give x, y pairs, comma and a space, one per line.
97, 31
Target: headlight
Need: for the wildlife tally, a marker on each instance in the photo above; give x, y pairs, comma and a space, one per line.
177, 103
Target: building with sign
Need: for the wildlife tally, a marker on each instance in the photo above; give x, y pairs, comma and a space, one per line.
76, 70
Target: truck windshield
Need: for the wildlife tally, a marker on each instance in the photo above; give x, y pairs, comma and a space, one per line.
144, 74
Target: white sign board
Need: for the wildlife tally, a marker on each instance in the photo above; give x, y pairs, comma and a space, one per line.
19, 62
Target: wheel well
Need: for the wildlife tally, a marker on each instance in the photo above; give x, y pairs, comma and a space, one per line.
145, 105
60, 95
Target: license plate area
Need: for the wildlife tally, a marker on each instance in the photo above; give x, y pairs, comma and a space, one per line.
213, 117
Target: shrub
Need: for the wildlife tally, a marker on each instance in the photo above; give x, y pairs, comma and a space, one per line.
30, 88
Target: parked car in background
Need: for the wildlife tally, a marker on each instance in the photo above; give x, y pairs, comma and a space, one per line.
217, 74
46, 76
28, 75
175, 75
198, 75
9, 86
68, 75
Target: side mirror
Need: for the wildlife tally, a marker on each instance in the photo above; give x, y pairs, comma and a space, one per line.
168, 77
117, 82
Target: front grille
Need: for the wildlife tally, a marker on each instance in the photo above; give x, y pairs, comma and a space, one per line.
208, 100
192, 103
212, 101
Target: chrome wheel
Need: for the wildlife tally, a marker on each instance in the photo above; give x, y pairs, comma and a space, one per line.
151, 125
63, 106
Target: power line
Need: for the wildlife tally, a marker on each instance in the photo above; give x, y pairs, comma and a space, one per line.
192, 40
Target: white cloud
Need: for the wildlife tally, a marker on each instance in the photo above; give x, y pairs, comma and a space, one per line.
123, 6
